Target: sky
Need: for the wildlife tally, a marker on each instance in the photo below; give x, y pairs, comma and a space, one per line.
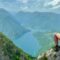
31, 5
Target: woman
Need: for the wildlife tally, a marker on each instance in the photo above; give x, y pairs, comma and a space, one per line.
56, 38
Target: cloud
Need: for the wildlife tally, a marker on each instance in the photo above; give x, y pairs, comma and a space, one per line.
25, 8
30, 5
56, 7
23, 1
52, 3
8, 1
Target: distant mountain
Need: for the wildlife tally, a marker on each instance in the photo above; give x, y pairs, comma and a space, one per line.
40, 20
43, 25
10, 26
20, 35
8, 51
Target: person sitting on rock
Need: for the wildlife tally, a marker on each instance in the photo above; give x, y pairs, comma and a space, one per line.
56, 38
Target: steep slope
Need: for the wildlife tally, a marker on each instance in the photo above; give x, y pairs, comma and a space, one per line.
8, 51
40, 20
10, 26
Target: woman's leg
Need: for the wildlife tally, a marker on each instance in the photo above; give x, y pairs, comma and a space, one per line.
56, 42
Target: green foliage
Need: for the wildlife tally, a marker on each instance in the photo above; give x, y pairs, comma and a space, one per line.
10, 50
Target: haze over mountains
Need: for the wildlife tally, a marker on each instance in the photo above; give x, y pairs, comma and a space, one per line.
9, 26
17, 33
42, 26
26, 29
30, 24
40, 20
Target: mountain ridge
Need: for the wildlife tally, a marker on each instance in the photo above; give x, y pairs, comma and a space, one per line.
8, 24
42, 20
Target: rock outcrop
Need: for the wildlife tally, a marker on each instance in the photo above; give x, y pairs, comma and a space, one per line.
50, 55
